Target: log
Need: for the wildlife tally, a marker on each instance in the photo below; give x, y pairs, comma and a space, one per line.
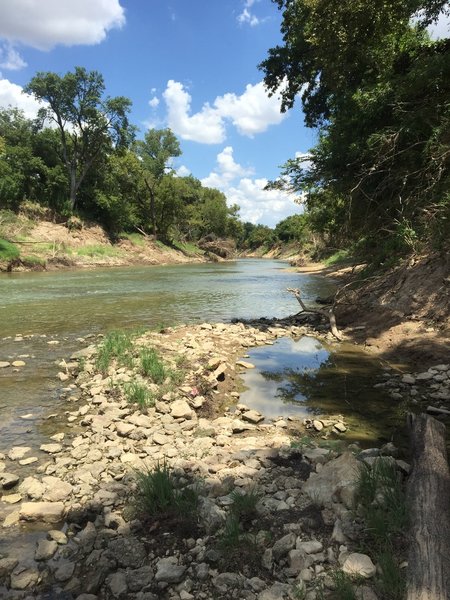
428, 494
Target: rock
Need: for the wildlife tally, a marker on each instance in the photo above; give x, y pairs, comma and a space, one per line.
45, 550
22, 578
252, 416
278, 591
139, 579
318, 425
297, 561
311, 547
8, 480
245, 364
56, 489
32, 487
359, 564
12, 498
169, 571
48, 512
11, 519
6, 566
283, 545
340, 427
4, 364
223, 581
180, 409
124, 429
332, 478
18, 363
28, 461
65, 571
58, 536
128, 551
18, 452
51, 448
160, 439
117, 584
211, 515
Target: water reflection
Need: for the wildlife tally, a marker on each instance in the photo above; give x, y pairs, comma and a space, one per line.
305, 377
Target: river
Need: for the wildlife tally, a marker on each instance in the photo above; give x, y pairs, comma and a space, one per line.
46, 316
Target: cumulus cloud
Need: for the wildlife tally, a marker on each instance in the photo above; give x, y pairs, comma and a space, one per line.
10, 59
43, 25
154, 102
182, 171
252, 112
246, 16
205, 126
11, 94
257, 204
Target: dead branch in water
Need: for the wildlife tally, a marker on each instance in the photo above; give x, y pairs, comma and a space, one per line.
329, 314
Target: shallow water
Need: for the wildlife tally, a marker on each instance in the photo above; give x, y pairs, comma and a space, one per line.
67, 305
307, 378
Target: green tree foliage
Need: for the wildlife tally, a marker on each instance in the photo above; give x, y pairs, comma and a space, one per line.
88, 124
377, 88
155, 152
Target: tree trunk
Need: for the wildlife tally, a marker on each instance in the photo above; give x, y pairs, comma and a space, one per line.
73, 188
429, 500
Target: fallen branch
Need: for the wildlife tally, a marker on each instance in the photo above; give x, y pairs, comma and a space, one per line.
428, 494
329, 314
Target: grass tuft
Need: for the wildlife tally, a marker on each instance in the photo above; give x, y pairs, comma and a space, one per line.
157, 495
8, 251
152, 366
243, 505
137, 393
117, 345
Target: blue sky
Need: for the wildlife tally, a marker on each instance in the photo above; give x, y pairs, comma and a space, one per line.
187, 64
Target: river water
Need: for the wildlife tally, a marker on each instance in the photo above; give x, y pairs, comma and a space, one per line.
39, 309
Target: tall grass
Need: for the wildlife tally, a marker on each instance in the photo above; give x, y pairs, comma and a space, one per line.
152, 366
8, 251
117, 345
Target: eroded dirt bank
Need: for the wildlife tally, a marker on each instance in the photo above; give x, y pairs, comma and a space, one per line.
403, 315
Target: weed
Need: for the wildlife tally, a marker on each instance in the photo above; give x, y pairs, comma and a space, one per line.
151, 365
341, 256
135, 238
157, 495
232, 533
304, 442
391, 583
117, 345
137, 393
243, 505
98, 250
344, 588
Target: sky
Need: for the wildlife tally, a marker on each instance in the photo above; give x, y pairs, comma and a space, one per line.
188, 65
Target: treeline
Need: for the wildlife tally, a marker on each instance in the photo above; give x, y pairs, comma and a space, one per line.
376, 88
81, 157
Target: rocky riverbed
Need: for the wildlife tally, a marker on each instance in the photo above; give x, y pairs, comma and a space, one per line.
92, 543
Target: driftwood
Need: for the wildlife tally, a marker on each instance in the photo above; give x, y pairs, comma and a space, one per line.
435, 410
329, 314
428, 495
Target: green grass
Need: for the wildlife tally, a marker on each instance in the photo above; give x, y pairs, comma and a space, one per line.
34, 260
344, 588
135, 238
98, 250
157, 495
340, 256
117, 345
8, 251
244, 504
152, 366
137, 393
380, 496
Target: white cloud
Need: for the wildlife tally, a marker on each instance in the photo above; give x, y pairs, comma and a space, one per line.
246, 16
252, 112
154, 102
305, 159
45, 24
205, 126
11, 95
182, 171
441, 28
10, 59
257, 204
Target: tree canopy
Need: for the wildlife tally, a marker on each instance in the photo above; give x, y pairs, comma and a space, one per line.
377, 88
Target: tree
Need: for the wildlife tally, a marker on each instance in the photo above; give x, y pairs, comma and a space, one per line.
377, 88
88, 124
155, 152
